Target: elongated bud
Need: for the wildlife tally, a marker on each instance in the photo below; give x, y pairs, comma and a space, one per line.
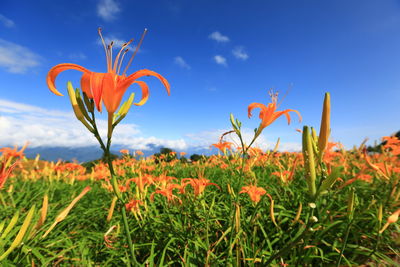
10, 226
309, 163
77, 110
271, 210
380, 213
325, 129
298, 213
43, 212
111, 209
314, 135
18, 239
72, 98
237, 218
234, 125
230, 190
81, 104
123, 110
392, 219
63, 214
350, 204
314, 141
276, 145
89, 103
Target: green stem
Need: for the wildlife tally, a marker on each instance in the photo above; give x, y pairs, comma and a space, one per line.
107, 154
128, 235
344, 243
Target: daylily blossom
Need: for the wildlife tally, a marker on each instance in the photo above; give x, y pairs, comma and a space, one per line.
392, 143
254, 192
381, 168
9, 152
167, 191
133, 205
5, 172
110, 86
124, 151
268, 114
223, 146
198, 185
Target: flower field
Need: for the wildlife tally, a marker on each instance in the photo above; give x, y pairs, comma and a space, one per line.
210, 212
323, 206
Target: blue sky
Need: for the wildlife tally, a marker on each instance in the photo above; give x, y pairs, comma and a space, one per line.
219, 56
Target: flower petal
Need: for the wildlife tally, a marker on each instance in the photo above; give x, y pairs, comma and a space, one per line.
125, 83
145, 92
99, 81
54, 71
85, 85
255, 105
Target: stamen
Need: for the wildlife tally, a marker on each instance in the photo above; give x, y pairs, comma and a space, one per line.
116, 62
111, 48
274, 96
287, 92
122, 58
137, 49
105, 48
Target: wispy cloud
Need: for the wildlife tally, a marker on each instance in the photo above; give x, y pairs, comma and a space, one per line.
117, 42
108, 9
6, 21
217, 36
220, 60
20, 123
42, 127
240, 53
15, 58
181, 62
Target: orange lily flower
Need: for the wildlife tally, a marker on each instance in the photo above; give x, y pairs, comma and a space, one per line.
110, 86
254, 192
381, 168
223, 146
133, 205
124, 151
167, 191
198, 185
6, 172
8, 152
268, 114
392, 143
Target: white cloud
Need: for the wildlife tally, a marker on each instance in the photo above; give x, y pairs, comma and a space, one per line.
220, 60
240, 53
20, 123
16, 58
181, 62
108, 9
6, 21
217, 36
117, 43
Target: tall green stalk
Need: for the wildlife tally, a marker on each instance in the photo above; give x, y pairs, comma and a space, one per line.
121, 202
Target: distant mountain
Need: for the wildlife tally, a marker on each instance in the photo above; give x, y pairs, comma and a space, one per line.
83, 154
